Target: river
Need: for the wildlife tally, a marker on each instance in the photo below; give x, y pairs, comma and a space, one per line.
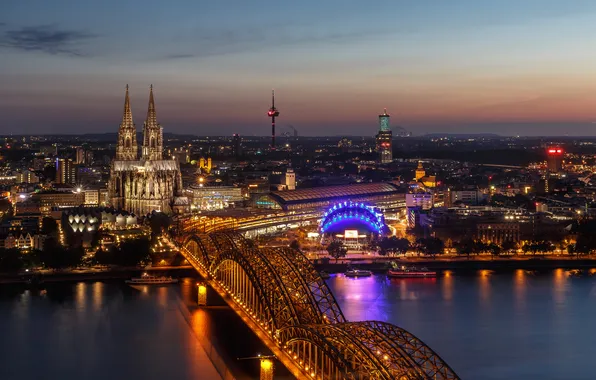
513, 325
490, 326
109, 330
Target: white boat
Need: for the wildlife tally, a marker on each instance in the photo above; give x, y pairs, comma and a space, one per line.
357, 273
147, 279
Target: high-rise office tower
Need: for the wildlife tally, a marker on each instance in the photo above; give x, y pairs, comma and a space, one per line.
236, 145
384, 139
554, 159
80, 155
65, 171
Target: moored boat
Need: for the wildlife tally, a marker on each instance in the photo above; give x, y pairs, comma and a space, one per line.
147, 279
357, 273
410, 272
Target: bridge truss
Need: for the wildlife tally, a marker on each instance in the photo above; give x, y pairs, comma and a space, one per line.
279, 290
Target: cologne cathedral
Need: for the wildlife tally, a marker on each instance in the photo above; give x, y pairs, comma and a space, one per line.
149, 183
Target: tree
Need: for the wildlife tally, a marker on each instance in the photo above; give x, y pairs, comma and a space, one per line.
132, 252
336, 249
294, 244
494, 249
539, 247
57, 257
104, 257
508, 246
49, 226
385, 246
402, 245
465, 247
159, 222
431, 246
11, 260
585, 244
393, 245
373, 245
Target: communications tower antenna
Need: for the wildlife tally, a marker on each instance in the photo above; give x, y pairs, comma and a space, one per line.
273, 113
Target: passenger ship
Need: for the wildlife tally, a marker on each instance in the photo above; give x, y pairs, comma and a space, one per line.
357, 273
147, 279
410, 272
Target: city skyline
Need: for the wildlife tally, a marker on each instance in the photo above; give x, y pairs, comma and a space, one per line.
460, 67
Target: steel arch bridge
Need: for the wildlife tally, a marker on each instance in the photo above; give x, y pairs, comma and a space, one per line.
281, 296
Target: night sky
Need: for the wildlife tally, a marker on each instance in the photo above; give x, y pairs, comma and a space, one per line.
523, 67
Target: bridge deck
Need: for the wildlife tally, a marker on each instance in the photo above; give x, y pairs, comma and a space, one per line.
258, 330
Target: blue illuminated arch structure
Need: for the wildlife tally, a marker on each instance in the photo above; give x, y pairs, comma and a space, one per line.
353, 211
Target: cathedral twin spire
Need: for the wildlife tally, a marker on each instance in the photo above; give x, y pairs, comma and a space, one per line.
127, 148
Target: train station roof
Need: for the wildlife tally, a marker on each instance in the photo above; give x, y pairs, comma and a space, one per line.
334, 192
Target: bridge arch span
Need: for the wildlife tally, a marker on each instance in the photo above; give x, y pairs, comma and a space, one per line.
197, 246
309, 345
311, 284
277, 302
281, 291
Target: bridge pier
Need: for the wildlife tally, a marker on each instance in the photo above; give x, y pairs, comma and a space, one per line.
201, 293
267, 369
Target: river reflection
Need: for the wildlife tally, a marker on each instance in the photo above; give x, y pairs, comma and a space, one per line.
103, 330
520, 325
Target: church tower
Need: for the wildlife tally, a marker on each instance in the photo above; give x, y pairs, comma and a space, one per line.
127, 149
152, 133
420, 172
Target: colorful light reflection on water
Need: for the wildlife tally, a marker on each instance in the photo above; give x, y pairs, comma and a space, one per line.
520, 325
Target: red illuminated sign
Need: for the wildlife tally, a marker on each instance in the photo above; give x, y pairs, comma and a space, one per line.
555, 151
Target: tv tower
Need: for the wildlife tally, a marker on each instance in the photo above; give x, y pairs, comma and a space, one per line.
273, 112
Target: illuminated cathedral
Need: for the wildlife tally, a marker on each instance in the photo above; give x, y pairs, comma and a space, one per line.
147, 183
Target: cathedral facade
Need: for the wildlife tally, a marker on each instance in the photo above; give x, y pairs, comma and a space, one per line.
147, 183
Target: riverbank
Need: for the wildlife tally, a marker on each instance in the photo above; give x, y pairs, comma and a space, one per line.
376, 265
461, 264
76, 275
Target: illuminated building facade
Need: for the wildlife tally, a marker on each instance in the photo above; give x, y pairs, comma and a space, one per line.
26, 176
429, 181
498, 232
150, 183
213, 197
182, 154
554, 160
384, 139
421, 200
283, 180
50, 199
353, 222
205, 165
65, 171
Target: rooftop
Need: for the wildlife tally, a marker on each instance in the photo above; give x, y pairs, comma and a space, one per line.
332, 192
